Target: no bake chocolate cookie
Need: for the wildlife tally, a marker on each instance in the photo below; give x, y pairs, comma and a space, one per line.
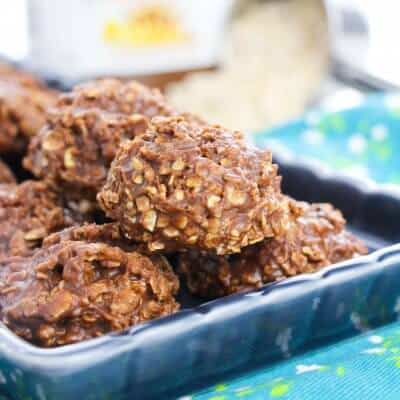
316, 238
76, 290
184, 185
84, 130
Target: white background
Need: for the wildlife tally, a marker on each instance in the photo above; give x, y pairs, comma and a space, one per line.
13, 29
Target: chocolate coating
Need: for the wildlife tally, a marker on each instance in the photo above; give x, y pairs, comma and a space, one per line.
108, 233
183, 185
316, 238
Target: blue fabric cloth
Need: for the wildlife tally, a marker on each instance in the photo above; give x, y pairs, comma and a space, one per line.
362, 141
365, 367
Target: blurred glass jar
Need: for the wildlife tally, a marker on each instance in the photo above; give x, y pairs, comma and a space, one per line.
80, 39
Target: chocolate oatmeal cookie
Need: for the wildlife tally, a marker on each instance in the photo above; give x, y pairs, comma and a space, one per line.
84, 130
316, 238
76, 290
183, 185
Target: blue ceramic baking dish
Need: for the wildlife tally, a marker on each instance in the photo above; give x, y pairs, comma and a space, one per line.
204, 342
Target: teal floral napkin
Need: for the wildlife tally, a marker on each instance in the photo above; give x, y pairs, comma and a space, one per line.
366, 367
362, 141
